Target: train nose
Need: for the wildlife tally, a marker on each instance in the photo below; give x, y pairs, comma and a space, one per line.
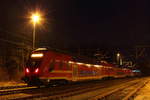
29, 71
36, 71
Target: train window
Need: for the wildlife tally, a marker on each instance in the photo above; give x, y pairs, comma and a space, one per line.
33, 63
52, 64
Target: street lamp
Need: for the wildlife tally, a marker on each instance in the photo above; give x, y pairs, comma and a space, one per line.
118, 58
35, 18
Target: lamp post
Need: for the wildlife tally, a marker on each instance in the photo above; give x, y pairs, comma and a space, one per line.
118, 58
35, 18
33, 44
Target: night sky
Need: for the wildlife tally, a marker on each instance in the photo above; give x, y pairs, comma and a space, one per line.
81, 23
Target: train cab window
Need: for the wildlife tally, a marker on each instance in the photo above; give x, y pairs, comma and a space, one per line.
33, 63
52, 65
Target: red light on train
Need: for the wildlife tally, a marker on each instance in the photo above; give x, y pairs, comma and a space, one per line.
36, 70
27, 70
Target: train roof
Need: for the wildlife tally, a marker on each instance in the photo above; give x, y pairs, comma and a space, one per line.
40, 49
75, 57
78, 58
51, 49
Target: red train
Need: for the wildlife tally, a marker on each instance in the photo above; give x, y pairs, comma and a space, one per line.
50, 66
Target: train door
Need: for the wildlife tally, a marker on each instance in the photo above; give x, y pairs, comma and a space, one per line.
75, 72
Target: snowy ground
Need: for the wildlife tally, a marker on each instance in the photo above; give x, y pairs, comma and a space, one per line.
144, 93
11, 83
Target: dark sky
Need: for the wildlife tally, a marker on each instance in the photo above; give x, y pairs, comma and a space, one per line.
81, 23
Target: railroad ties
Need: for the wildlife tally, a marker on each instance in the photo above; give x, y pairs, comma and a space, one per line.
120, 89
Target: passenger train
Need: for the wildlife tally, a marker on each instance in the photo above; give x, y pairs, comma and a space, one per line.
47, 66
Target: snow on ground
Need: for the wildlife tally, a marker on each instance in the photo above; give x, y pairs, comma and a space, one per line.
144, 93
11, 83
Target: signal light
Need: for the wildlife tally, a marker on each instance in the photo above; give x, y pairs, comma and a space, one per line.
36, 70
27, 70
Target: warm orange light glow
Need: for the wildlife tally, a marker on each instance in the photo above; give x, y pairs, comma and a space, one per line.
98, 65
118, 54
36, 17
71, 62
79, 63
89, 65
37, 55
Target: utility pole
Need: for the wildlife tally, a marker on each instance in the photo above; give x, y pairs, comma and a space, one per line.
141, 50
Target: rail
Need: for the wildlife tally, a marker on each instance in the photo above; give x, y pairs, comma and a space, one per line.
129, 96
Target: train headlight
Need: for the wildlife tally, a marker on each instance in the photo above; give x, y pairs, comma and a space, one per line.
36, 70
37, 55
27, 70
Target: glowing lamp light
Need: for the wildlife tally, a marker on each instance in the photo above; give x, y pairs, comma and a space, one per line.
118, 54
36, 17
36, 55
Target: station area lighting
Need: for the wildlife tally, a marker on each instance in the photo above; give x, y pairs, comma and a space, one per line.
36, 18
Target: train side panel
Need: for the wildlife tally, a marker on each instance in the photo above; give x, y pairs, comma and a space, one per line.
56, 66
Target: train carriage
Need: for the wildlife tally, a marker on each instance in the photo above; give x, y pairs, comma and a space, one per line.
50, 67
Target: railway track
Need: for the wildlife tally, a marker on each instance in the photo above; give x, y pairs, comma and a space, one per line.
60, 92
55, 93
125, 92
133, 93
14, 89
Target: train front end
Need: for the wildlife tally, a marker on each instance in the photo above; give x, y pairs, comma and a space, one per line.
32, 69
